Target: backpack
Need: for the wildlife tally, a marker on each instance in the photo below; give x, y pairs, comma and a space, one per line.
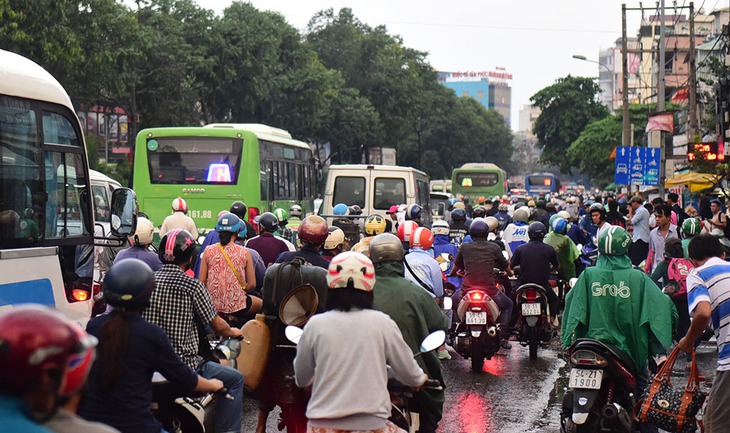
677, 272
726, 230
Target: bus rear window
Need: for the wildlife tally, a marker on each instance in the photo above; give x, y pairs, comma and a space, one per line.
194, 160
349, 190
467, 180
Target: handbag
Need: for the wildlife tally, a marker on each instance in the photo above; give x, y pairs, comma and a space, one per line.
672, 408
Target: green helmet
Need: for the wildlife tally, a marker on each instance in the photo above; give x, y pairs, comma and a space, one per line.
614, 242
691, 227
281, 214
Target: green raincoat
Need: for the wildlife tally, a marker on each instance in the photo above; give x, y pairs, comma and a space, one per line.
618, 305
567, 253
417, 315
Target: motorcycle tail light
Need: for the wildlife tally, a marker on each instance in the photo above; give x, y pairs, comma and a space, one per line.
95, 289
530, 294
80, 295
586, 357
630, 379
476, 296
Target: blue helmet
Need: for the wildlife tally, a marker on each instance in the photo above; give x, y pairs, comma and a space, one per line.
458, 214
340, 209
413, 211
479, 228
559, 226
452, 201
229, 222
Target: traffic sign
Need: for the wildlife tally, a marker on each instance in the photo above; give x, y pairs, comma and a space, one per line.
637, 166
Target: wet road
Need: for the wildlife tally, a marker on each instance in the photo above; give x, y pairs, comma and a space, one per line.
512, 394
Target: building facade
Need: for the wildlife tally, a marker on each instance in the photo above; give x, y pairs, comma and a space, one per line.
489, 88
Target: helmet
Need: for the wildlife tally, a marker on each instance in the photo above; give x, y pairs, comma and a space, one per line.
143, 233
238, 208
314, 230
559, 225
422, 238
176, 246
340, 209
374, 225
479, 228
690, 227
355, 210
179, 205
413, 211
564, 215
129, 284
351, 270
536, 231
295, 210
503, 207
281, 214
458, 214
229, 222
614, 242
492, 223
521, 215
459, 205
35, 339
386, 247
406, 229
495, 199
531, 203
335, 237
393, 209
481, 200
269, 222
479, 212
597, 207
440, 227
453, 201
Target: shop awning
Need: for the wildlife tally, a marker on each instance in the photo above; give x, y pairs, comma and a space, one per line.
694, 181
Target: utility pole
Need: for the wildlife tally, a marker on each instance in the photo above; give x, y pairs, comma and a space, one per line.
626, 123
660, 99
692, 130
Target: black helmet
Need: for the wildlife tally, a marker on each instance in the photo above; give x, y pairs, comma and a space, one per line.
238, 208
536, 231
458, 214
269, 222
597, 207
479, 212
479, 228
129, 284
177, 246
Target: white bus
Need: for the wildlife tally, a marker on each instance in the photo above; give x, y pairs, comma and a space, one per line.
46, 211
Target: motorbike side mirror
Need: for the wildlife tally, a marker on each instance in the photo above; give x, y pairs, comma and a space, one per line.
433, 341
124, 212
572, 282
293, 333
448, 303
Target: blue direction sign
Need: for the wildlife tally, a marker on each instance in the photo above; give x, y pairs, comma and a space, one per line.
637, 166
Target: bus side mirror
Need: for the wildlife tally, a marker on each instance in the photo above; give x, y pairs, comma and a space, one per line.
124, 212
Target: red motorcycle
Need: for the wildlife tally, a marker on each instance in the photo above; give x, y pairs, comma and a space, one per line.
533, 327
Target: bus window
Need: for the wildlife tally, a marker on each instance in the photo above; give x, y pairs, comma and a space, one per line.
101, 204
422, 195
389, 191
194, 160
477, 179
349, 190
66, 188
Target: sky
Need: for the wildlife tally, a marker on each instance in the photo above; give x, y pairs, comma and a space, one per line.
534, 40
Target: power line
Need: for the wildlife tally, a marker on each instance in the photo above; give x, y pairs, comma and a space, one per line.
474, 26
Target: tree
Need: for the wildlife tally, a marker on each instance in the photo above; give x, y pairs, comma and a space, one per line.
568, 106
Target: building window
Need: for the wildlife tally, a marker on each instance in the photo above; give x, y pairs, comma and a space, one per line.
480, 94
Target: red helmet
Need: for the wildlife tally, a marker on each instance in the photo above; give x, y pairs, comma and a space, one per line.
35, 339
313, 229
422, 238
406, 229
179, 205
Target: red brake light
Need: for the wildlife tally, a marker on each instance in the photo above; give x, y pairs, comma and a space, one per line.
530, 294
80, 295
475, 296
253, 212
96, 288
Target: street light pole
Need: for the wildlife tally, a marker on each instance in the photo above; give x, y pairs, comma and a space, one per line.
610, 72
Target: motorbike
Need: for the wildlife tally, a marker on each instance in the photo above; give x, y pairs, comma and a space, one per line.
478, 335
183, 413
533, 327
402, 414
600, 395
588, 255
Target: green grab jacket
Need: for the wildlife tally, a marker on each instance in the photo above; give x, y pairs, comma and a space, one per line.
417, 315
616, 304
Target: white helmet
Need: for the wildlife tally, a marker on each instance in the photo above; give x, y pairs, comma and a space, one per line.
335, 237
564, 215
143, 235
179, 205
351, 270
522, 214
492, 223
440, 227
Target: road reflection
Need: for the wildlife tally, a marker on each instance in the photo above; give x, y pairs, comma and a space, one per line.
473, 414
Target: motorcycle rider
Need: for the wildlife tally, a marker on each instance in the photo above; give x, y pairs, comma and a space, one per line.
459, 225
691, 227
283, 231
181, 305
413, 213
374, 225
313, 232
421, 267
413, 309
597, 213
131, 350
179, 219
266, 244
445, 251
295, 217
141, 241
534, 260
476, 259
38, 347
354, 398
516, 233
503, 216
334, 244
616, 304
564, 247
347, 225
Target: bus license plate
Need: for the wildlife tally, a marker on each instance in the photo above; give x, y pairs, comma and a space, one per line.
585, 379
531, 309
476, 318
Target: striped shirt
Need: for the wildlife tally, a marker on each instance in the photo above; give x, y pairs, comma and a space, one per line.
711, 283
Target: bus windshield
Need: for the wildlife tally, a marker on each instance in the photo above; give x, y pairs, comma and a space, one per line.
467, 179
194, 160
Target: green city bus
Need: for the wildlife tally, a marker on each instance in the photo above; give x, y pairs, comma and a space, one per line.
215, 165
474, 180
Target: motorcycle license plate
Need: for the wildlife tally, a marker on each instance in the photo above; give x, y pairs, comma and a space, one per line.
531, 309
476, 318
585, 379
